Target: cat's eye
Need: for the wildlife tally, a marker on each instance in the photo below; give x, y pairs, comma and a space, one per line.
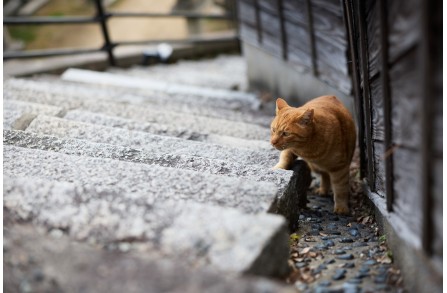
285, 133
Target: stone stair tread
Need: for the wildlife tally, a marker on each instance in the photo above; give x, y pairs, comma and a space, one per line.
104, 78
148, 113
15, 112
117, 152
164, 129
56, 263
70, 94
228, 240
224, 71
157, 144
162, 183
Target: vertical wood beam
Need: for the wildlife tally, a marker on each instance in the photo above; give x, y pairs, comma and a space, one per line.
426, 93
360, 12
258, 21
283, 30
348, 15
310, 29
384, 74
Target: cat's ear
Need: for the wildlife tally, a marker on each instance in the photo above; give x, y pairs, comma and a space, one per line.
306, 118
280, 103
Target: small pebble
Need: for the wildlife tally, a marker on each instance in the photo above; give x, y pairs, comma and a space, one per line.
314, 232
355, 281
379, 279
330, 261
370, 262
349, 265
339, 274
332, 226
339, 251
354, 232
345, 256
325, 283
346, 240
332, 232
351, 288
316, 227
302, 217
360, 244
361, 275
321, 246
301, 265
364, 269
346, 247
329, 243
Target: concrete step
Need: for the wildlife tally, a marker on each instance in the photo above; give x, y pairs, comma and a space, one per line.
35, 261
247, 100
156, 144
165, 129
225, 72
70, 94
195, 234
18, 114
155, 182
161, 115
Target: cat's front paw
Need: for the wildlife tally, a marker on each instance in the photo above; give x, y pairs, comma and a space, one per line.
279, 166
341, 209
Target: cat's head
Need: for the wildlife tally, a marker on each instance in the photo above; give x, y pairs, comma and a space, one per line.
292, 127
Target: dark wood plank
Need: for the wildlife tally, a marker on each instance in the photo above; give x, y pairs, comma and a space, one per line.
331, 55
379, 168
405, 88
269, 6
298, 57
270, 24
407, 188
333, 77
298, 37
404, 18
378, 127
330, 7
329, 26
246, 13
437, 206
373, 37
295, 11
248, 34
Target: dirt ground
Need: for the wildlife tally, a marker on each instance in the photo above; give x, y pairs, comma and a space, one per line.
120, 29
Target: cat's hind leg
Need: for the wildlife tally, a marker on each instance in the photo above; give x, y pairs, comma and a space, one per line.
340, 186
325, 182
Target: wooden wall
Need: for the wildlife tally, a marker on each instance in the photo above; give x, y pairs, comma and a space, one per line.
294, 31
388, 54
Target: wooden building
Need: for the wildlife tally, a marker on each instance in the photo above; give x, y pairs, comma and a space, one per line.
386, 56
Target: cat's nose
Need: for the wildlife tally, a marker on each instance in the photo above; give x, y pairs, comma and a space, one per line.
273, 141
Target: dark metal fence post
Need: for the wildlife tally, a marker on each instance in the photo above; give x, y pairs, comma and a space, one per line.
102, 17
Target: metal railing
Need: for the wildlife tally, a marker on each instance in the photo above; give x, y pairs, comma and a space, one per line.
101, 18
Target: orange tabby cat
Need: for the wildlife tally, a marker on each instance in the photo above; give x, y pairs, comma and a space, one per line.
322, 132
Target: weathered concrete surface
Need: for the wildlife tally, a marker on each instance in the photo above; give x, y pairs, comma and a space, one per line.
71, 95
18, 114
158, 183
187, 162
228, 240
153, 143
225, 72
164, 129
104, 78
34, 262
